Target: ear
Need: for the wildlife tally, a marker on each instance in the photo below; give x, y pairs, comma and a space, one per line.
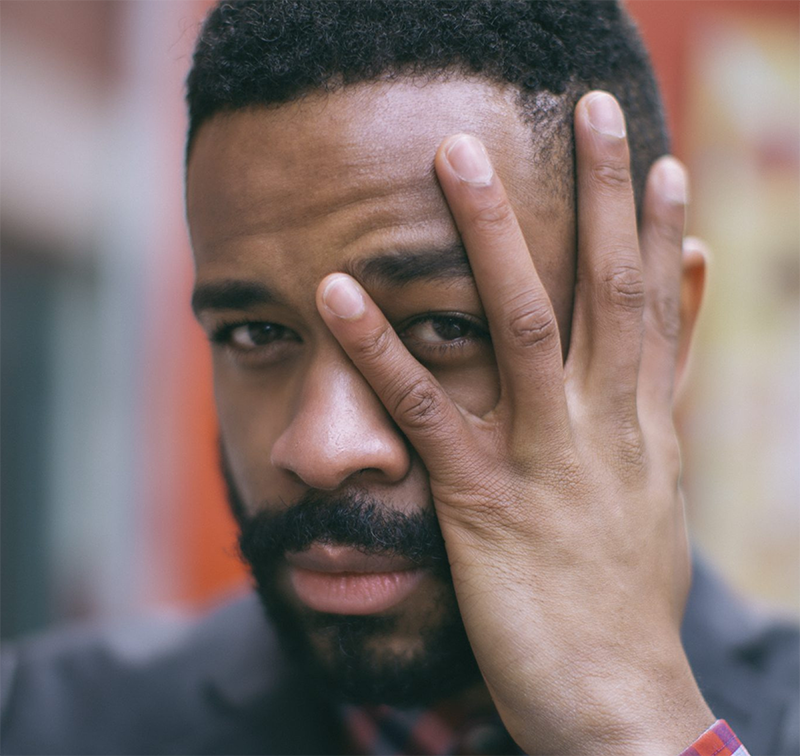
695, 257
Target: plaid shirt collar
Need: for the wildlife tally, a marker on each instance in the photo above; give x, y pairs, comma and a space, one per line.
384, 731
445, 729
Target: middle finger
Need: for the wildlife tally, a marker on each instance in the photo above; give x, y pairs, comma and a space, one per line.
605, 347
521, 318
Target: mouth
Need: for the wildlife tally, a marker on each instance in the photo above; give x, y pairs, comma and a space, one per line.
343, 580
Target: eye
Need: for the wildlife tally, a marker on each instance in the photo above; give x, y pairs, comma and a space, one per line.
255, 342
252, 335
435, 334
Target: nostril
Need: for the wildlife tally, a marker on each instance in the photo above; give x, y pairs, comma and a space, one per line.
339, 430
295, 478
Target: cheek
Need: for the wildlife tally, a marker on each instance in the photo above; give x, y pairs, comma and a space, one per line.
252, 410
475, 388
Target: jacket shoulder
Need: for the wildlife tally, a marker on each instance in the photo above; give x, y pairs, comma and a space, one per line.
161, 685
746, 660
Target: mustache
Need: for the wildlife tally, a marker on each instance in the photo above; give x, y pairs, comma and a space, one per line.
353, 519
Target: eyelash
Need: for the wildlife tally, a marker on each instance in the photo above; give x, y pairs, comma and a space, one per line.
477, 331
221, 335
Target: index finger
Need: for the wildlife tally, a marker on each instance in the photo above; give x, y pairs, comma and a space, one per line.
413, 397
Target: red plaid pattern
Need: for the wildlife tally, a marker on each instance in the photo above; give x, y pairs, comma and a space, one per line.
717, 740
441, 731
384, 731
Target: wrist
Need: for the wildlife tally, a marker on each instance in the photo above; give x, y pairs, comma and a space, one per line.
658, 714
649, 707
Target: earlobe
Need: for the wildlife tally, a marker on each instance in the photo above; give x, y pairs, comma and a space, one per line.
695, 256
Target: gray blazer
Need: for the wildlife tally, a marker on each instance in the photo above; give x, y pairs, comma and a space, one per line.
218, 685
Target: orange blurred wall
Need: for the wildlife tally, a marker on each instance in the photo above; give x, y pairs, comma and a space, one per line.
667, 26
202, 536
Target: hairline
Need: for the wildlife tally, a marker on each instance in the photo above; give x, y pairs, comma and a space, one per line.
540, 111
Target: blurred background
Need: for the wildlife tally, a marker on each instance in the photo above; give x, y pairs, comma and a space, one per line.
111, 501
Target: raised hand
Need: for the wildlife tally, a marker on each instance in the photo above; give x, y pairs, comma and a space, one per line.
561, 507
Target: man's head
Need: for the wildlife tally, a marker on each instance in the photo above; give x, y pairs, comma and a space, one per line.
313, 127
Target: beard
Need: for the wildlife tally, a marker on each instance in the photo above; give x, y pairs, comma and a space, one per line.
354, 655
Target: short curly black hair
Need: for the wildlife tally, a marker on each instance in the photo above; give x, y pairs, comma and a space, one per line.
270, 52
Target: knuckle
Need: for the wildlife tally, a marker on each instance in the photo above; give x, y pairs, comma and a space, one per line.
668, 228
533, 325
494, 215
664, 314
374, 347
630, 451
613, 175
625, 286
416, 405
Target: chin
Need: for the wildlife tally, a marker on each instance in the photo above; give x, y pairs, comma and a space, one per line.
411, 653
414, 656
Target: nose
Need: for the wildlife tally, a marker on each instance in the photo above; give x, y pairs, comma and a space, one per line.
339, 429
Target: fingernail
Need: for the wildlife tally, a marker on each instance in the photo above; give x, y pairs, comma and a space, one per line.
605, 115
343, 298
469, 160
672, 180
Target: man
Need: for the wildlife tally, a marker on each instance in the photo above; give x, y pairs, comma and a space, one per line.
442, 274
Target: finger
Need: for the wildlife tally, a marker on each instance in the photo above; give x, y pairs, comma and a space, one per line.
412, 396
663, 220
521, 318
609, 297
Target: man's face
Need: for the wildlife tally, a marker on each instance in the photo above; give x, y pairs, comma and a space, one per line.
277, 199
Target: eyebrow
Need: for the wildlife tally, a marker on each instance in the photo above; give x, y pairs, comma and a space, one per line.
232, 295
397, 269
394, 269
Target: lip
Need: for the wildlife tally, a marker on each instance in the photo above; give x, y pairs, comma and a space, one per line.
323, 557
343, 580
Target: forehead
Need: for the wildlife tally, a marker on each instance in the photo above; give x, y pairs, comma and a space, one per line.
333, 176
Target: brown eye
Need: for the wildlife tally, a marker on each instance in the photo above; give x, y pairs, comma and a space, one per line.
439, 330
255, 334
256, 343
251, 336
450, 329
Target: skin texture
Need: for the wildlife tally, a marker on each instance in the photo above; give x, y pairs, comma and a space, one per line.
556, 483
